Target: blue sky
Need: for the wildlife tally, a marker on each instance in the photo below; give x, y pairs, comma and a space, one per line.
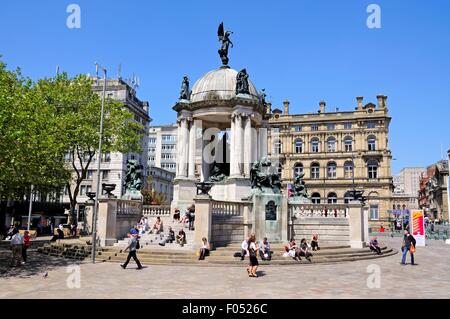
301, 50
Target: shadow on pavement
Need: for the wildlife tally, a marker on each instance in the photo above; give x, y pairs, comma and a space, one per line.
37, 265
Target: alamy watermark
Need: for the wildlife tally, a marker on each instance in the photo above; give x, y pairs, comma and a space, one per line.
374, 19
74, 279
374, 279
74, 19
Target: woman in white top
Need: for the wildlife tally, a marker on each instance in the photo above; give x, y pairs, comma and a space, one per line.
204, 250
252, 249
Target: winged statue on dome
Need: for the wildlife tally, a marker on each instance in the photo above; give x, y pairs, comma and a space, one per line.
224, 37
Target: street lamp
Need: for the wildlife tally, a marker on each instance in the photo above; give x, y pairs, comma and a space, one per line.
99, 159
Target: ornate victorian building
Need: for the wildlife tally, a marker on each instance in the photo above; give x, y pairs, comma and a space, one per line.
338, 152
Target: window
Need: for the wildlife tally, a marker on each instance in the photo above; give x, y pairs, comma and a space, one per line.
371, 143
137, 118
169, 138
277, 147
105, 175
298, 128
152, 140
280, 170
298, 169
276, 129
315, 171
331, 126
298, 146
315, 198
89, 174
151, 158
348, 144
332, 198
374, 212
348, 169
371, 124
315, 145
331, 170
372, 168
348, 196
331, 145
314, 127
347, 126
106, 157
83, 190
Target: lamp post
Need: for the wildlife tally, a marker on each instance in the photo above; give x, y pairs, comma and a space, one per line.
99, 159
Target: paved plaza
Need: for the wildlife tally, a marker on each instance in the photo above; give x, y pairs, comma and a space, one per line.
429, 279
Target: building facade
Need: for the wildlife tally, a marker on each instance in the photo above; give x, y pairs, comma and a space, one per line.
162, 182
337, 152
113, 165
406, 188
433, 193
162, 147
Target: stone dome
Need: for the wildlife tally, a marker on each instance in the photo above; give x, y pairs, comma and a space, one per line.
218, 84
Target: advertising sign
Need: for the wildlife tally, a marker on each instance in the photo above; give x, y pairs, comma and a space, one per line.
417, 226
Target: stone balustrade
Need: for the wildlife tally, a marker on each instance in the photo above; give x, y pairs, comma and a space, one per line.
128, 208
222, 208
156, 210
318, 210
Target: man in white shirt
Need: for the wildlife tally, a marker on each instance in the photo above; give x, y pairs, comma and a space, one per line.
16, 247
244, 247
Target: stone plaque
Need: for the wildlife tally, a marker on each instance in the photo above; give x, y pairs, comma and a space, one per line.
271, 211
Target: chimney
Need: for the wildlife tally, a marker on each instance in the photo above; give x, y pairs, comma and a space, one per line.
268, 108
286, 107
380, 99
384, 101
322, 105
360, 102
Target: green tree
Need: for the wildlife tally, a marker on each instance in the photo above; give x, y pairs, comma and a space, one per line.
31, 152
78, 111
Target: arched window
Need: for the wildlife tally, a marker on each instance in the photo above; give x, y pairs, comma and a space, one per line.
298, 145
277, 147
348, 144
372, 169
348, 169
298, 169
331, 145
315, 171
315, 198
371, 143
348, 196
315, 145
331, 170
332, 198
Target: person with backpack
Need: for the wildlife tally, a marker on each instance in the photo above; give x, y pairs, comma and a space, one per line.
133, 246
191, 217
409, 244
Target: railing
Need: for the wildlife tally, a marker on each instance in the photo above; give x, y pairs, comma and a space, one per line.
318, 211
220, 208
156, 210
128, 207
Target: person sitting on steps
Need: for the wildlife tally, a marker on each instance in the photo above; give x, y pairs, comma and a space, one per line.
158, 226
375, 246
304, 250
315, 242
204, 250
181, 237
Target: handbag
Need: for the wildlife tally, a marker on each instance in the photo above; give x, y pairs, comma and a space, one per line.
412, 249
138, 245
237, 254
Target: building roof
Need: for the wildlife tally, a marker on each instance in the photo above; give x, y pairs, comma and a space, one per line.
218, 84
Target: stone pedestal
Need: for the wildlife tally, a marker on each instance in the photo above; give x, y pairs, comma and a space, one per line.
359, 225
270, 217
231, 189
203, 219
184, 191
106, 221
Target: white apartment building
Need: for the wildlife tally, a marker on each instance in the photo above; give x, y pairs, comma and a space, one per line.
162, 147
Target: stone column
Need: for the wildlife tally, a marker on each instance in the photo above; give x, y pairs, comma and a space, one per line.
237, 158
192, 148
358, 222
262, 142
247, 145
179, 137
232, 147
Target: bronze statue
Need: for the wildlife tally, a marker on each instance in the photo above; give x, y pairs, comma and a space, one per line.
133, 176
185, 93
299, 188
224, 37
217, 173
242, 82
264, 179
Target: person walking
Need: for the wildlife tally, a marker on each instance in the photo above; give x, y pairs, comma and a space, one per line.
252, 249
16, 247
133, 245
26, 245
409, 244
